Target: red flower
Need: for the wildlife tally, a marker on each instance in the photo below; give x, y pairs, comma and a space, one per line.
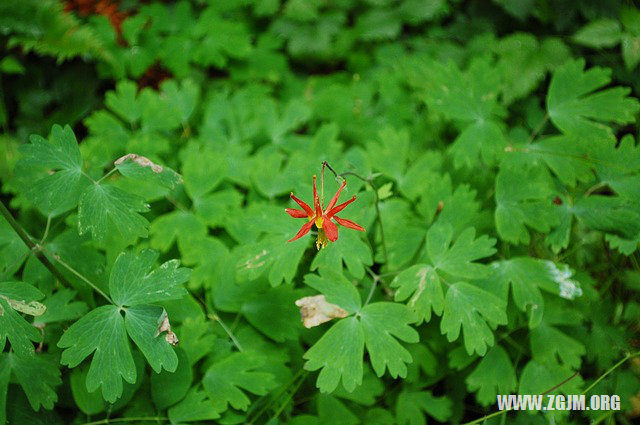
322, 217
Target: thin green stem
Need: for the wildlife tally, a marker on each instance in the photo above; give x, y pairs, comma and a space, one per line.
276, 396
82, 277
378, 278
288, 399
132, 419
35, 249
233, 338
611, 369
538, 128
113, 170
46, 230
374, 284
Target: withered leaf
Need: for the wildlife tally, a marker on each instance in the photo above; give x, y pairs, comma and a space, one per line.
316, 310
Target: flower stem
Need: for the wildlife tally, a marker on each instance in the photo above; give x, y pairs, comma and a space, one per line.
369, 181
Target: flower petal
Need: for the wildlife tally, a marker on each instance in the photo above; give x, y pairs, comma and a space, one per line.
303, 204
296, 213
348, 223
339, 208
336, 196
330, 229
316, 201
303, 231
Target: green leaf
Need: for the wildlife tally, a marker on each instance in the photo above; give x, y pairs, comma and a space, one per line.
366, 394
482, 139
336, 288
475, 310
382, 323
630, 51
89, 403
203, 170
457, 259
423, 168
531, 57
567, 158
470, 97
493, 375
216, 208
412, 405
599, 33
535, 379
223, 39
548, 345
277, 304
619, 167
60, 188
125, 102
422, 283
106, 211
14, 297
521, 205
196, 406
168, 388
195, 339
273, 254
391, 154
10, 65
211, 262
332, 410
578, 111
378, 24
60, 307
609, 214
349, 249
527, 276
226, 379
101, 330
13, 251
269, 174
466, 96
339, 354
179, 225
21, 297
37, 375
184, 97
142, 323
377, 325
133, 283
141, 168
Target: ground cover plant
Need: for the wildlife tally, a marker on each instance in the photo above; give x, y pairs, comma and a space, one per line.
318, 212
